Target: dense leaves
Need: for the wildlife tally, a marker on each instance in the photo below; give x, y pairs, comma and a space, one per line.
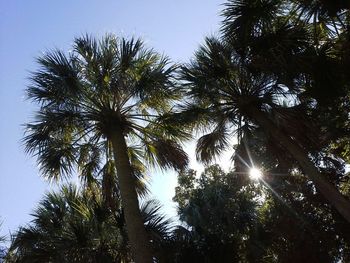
75, 226
232, 219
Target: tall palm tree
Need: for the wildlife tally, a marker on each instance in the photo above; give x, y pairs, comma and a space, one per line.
225, 94
100, 104
77, 226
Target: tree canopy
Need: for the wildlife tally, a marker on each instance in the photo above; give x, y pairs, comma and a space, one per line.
273, 86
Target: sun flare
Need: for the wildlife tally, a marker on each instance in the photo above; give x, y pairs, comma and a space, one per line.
255, 174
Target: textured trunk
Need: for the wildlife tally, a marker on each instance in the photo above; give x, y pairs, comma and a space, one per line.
140, 245
329, 192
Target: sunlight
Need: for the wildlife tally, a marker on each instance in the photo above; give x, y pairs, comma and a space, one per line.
255, 174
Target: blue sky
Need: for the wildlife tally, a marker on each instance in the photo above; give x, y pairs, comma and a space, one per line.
28, 28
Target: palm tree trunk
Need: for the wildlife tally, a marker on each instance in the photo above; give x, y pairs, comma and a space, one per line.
329, 192
140, 245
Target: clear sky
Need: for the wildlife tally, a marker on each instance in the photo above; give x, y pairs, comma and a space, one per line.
28, 28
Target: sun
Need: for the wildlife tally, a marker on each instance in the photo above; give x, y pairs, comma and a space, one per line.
255, 174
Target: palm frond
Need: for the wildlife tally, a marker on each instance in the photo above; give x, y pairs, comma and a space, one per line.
165, 153
156, 223
244, 19
57, 82
89, 162
212, 144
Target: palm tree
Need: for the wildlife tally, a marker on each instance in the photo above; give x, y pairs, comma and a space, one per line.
76, 226
225, 95
100, 104
299, 41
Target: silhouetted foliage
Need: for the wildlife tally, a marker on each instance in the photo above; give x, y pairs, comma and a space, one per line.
229, 218
75, 226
